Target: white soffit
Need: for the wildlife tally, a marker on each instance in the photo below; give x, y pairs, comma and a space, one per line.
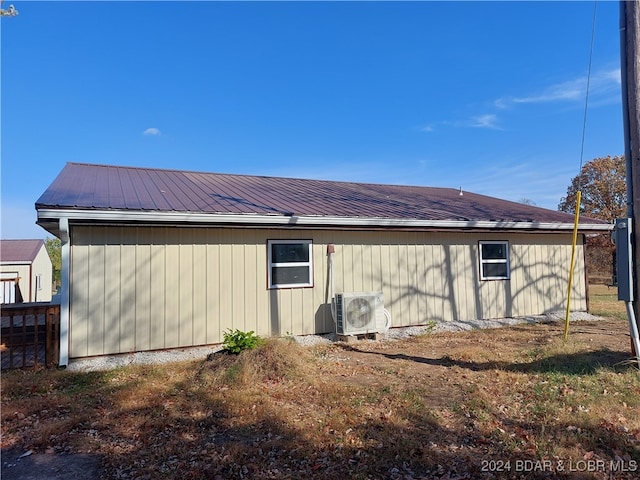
116, 216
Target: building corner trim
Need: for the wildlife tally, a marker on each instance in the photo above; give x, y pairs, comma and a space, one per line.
64, 293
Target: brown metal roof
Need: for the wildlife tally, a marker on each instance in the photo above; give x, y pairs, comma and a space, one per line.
19, 250
107, 187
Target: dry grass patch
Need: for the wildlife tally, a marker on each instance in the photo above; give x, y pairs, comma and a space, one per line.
276, 360
604, 302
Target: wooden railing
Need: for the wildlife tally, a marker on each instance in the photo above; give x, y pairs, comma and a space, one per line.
30, 335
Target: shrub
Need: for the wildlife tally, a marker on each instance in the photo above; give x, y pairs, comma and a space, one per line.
236, 341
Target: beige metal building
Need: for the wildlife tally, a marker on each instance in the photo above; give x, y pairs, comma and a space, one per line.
25, 272
158, 259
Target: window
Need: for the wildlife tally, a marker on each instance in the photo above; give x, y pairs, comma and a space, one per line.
290, 263
494, 260
9, 287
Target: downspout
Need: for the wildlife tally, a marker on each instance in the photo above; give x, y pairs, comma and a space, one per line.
32, 292
633, 323
331, 250
64, 293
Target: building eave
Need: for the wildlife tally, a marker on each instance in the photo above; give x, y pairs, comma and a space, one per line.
162, 217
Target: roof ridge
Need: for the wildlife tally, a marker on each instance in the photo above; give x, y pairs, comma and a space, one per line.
20, 250
21, 240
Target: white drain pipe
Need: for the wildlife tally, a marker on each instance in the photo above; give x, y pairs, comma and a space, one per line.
633, 325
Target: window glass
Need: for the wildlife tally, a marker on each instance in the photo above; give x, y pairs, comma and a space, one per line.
289, 275
492, 251
289, 252
496, 270
290, 263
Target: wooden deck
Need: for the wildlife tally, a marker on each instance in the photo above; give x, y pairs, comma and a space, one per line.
30, 335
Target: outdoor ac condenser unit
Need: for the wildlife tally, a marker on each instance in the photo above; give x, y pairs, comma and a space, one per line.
359, 313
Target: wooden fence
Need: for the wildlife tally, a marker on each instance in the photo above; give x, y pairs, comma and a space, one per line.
30, 335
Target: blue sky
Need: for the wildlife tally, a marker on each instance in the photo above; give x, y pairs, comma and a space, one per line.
487, 96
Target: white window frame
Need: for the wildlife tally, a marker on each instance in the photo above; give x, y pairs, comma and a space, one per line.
484, 261
271, 264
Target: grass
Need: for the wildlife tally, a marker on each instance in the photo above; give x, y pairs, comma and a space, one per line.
604, 302
438, 406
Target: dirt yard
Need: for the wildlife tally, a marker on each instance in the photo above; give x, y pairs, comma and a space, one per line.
439, 363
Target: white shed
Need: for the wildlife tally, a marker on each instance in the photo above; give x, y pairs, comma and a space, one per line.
25, 271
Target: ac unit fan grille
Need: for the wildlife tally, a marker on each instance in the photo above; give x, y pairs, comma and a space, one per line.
359, 312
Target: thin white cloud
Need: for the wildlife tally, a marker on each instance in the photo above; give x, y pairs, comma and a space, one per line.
604, 89
488, 120
151, 131
435, 126
515, 180
485, 121
614, 76
601, 84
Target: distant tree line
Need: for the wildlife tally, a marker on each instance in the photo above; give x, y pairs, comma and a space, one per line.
603, 187
54, 249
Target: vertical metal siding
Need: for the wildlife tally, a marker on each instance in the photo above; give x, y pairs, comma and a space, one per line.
171, 293
127, 296
157, 299
213, 290
225, 270
78, 334
183, 284
110, 320
95, 298
142, 288
143, 297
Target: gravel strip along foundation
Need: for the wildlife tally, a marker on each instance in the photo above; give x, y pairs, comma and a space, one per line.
108, 362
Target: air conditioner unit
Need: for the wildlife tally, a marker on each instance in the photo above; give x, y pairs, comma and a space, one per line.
359, 313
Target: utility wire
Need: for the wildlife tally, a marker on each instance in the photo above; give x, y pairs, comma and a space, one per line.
586, 99
579, 191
